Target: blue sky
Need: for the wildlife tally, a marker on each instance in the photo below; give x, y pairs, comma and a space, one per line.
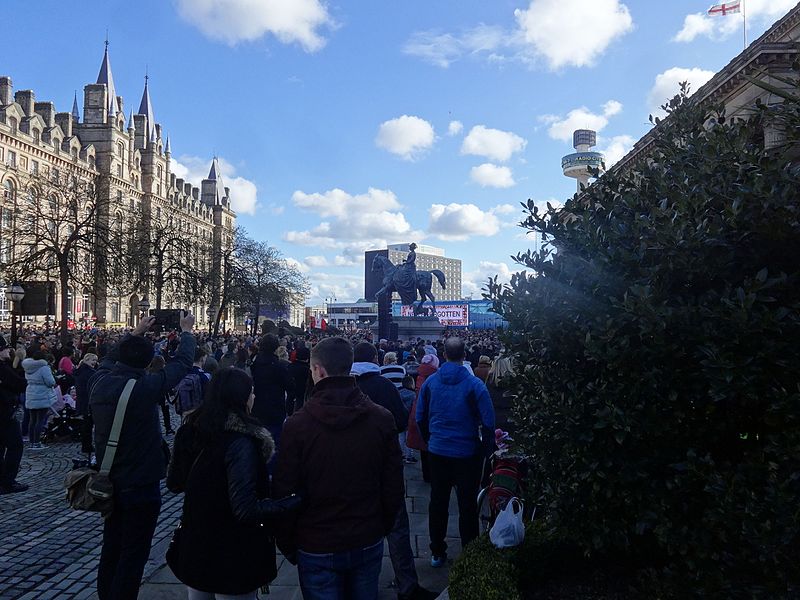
344, 126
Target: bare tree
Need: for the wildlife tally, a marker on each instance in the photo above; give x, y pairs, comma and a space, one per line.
61, 225
267, 278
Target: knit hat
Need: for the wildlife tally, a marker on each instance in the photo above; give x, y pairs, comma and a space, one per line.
430, 359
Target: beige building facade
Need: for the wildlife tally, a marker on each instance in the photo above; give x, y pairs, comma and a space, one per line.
133, 154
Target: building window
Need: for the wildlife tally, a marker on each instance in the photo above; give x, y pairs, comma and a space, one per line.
56, 175
12, 122
35, 167
75, 153
56, 145
37, 137
12, 159
9, 190
119, 170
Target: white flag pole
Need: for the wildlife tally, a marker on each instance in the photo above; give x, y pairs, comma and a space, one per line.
744, 23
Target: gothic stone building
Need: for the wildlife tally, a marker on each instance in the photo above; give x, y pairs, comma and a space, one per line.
134, 156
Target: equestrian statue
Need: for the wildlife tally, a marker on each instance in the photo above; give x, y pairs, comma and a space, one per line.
407, 281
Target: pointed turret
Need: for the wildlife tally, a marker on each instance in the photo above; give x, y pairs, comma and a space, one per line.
131, 126
146, 108
107, 78
212, 185
212, 174
75, 112
168, 148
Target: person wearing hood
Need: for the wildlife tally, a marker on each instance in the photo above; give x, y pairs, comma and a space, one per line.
39, 395
429, 364
12, 384
341, 451
452, 408
379, 389
227, 543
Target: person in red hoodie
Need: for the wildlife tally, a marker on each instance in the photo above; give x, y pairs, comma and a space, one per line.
429, 364
341, 451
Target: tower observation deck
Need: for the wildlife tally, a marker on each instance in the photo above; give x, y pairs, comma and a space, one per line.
579, 163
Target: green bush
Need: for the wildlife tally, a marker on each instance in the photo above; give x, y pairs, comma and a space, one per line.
483, 572
661, 341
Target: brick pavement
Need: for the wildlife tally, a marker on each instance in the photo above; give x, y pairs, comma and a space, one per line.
48, 551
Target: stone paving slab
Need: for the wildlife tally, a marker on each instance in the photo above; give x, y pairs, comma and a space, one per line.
49, 551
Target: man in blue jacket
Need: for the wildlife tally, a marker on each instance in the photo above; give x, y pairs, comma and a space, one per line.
454, 412
140, 462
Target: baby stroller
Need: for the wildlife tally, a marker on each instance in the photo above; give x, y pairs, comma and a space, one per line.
64, 423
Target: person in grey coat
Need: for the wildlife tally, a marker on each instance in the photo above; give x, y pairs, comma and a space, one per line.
39, 395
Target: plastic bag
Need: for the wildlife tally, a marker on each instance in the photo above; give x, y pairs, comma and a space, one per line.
508, 530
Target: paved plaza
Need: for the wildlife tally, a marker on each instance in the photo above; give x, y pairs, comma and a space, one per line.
48, 551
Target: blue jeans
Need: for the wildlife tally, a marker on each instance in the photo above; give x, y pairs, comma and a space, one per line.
349, 575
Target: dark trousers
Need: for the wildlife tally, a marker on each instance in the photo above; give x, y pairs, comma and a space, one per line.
446, 473
127, 535
425, 463
10, 451
165, 413
87, 446
37, 424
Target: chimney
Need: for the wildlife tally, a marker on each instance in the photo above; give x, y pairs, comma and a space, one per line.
64, 120
26, 99
187, 189
5, 91
47, 111
196, 193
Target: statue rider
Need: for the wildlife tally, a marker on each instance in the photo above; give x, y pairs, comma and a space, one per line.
406, 277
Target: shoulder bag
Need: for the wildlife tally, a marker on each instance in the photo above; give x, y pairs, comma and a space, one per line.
92, 490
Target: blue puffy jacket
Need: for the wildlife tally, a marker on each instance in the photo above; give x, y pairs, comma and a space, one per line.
452, 408
39, 393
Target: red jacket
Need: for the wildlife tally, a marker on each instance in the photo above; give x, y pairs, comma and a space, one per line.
340, 452
414, 437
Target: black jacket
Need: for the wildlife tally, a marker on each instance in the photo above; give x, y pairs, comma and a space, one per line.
226, 543
383, 393
300, 377
270, 383
82, 376
140, 459
12, 384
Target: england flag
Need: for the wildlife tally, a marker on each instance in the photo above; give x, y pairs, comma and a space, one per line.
726, 8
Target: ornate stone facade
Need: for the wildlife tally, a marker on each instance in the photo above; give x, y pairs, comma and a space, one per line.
134, 155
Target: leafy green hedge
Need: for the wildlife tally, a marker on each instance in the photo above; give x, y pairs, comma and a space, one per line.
661, 343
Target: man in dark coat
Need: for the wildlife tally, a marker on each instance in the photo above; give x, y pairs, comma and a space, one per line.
341, 450
140, 462
382, 391
299, 374
270, 384
12, 384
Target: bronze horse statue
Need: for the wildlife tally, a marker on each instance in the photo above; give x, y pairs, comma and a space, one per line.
424, 283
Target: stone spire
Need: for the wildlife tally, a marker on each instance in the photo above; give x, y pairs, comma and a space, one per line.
107, 78
213, 173
75, 112
146, 108
131, 126
168, 148
215, 176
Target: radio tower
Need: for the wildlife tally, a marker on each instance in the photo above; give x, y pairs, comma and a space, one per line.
579, 163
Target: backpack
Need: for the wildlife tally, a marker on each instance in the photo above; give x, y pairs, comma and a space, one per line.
190, 391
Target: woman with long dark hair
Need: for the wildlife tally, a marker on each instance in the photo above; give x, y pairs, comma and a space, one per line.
225, 544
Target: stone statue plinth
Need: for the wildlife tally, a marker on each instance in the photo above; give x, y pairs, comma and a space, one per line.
428, 328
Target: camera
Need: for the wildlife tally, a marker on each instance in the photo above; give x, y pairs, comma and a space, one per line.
167, 319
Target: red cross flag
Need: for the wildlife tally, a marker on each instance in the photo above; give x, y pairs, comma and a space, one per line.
726, 8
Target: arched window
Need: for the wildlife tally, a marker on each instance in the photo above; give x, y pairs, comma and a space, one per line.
159, 171
118, 222
121, 150
9, 192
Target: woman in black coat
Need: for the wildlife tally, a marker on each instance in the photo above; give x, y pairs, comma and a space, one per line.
225, 544
82, 374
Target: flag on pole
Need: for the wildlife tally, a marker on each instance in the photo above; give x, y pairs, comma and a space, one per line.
726, 8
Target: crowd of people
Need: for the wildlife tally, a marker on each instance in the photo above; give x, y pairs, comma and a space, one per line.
294, 440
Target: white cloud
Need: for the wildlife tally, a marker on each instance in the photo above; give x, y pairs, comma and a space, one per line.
489, 175
345, 288
458, 222
494, 144
473, 282
667, 84
759, 12
406, 136
234, 21
455, 127
193, 169
562, 128
351, 224
300, 266
615, 148
559, 32
573, 32
317, 261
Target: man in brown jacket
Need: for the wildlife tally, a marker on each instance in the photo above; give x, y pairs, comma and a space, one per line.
340, 452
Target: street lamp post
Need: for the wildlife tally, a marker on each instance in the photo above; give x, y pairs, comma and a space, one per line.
210, 312
144, 306
15, 293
